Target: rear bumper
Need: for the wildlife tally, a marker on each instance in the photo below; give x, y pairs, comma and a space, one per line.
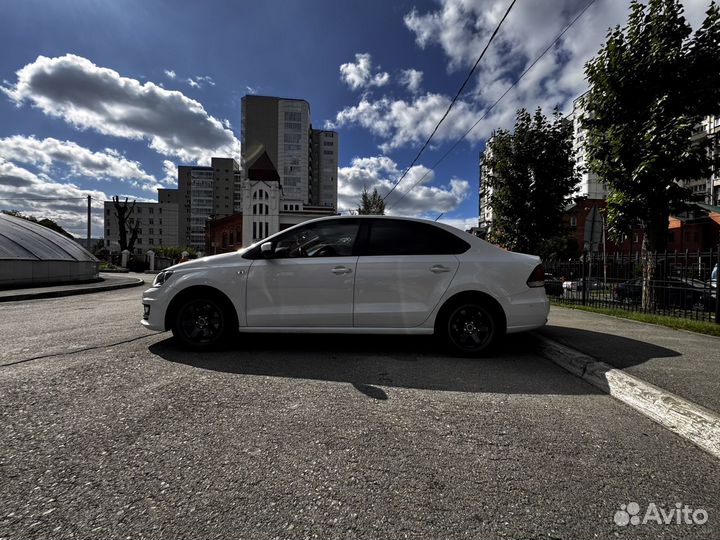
527, 311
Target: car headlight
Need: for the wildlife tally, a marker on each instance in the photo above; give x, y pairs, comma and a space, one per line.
162, 277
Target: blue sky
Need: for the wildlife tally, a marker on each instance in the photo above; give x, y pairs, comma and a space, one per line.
108, 97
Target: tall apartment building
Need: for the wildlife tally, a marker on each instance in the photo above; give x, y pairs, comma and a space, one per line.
484, 194
590, 185
158, 226
707, 188
306, 159
204, 193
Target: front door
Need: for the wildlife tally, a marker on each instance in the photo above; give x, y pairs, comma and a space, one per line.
308, 281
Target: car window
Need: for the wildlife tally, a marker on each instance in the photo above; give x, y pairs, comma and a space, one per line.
399, 237
323, 239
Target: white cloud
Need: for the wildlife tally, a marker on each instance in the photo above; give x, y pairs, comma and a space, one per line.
68, 206
381, 172
399, 122
170, 173
461, 29
200, 80
360, 74
92, 97
170, 73
464, 224
81, 161
412, 79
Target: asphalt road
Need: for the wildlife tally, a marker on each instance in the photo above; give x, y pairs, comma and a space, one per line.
110, 431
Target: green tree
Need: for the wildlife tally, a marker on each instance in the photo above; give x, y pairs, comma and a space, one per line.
371, 204
529, 178
45, 222
650, 85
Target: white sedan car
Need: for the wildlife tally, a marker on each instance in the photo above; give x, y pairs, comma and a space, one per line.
354, 275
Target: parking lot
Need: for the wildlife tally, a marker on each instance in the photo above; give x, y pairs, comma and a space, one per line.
113, 431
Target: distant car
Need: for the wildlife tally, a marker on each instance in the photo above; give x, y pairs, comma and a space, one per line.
629, 292
354, 274
577, 284
553, 285
672, 292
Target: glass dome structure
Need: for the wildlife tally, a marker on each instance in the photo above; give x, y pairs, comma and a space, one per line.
31, 254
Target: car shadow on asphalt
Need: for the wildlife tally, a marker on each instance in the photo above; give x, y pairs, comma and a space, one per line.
374, 363
620, 352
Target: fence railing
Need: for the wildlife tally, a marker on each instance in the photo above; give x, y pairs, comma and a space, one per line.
684, 283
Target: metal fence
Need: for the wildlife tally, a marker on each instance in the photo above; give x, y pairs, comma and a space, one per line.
684, 284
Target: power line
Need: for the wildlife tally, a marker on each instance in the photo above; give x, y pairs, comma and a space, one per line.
454, 99
43, 198
513, 85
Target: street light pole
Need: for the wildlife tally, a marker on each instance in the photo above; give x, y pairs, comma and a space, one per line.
89, 223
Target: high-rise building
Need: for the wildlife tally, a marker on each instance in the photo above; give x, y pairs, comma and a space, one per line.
590, 185
204, 193
306, 159
157, 225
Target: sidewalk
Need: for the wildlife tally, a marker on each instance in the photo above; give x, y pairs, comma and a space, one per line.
684, 363
108, 282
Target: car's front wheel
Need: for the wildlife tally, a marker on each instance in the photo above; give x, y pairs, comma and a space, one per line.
470, 328
201, 322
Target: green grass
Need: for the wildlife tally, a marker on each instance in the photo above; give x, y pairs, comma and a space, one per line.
702, 327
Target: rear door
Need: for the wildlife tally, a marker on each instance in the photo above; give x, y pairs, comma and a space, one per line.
403, 270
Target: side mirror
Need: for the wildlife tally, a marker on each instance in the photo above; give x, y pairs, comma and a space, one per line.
266, 249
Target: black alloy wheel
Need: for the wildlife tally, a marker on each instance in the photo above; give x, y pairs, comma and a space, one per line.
200, 322
471, 328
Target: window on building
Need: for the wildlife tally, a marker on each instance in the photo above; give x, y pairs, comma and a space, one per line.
328, 143
328, 152
151, 221
293, 116
151, 210
151, 241
573, 221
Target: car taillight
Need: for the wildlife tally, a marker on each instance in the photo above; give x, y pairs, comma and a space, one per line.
537, 278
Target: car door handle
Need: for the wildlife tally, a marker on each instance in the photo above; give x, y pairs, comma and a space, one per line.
341, 270
439, 269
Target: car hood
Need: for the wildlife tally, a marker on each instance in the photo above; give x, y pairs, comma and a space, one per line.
211, 260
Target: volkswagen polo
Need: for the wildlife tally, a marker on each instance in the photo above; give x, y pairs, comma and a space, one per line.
354, 274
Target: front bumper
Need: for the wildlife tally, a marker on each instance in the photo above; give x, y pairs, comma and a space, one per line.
154, 308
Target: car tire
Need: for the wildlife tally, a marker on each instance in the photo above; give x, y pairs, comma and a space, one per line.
469, 328
203, 322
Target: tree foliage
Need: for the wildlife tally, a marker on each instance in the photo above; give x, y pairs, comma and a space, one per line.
650, 85
45, 222
126, 224
529, 179
371, 203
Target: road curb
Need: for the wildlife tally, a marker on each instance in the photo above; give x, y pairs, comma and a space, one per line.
683, 417
73, 292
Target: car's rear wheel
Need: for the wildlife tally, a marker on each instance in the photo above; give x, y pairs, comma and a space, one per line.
470, 328
201, 322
